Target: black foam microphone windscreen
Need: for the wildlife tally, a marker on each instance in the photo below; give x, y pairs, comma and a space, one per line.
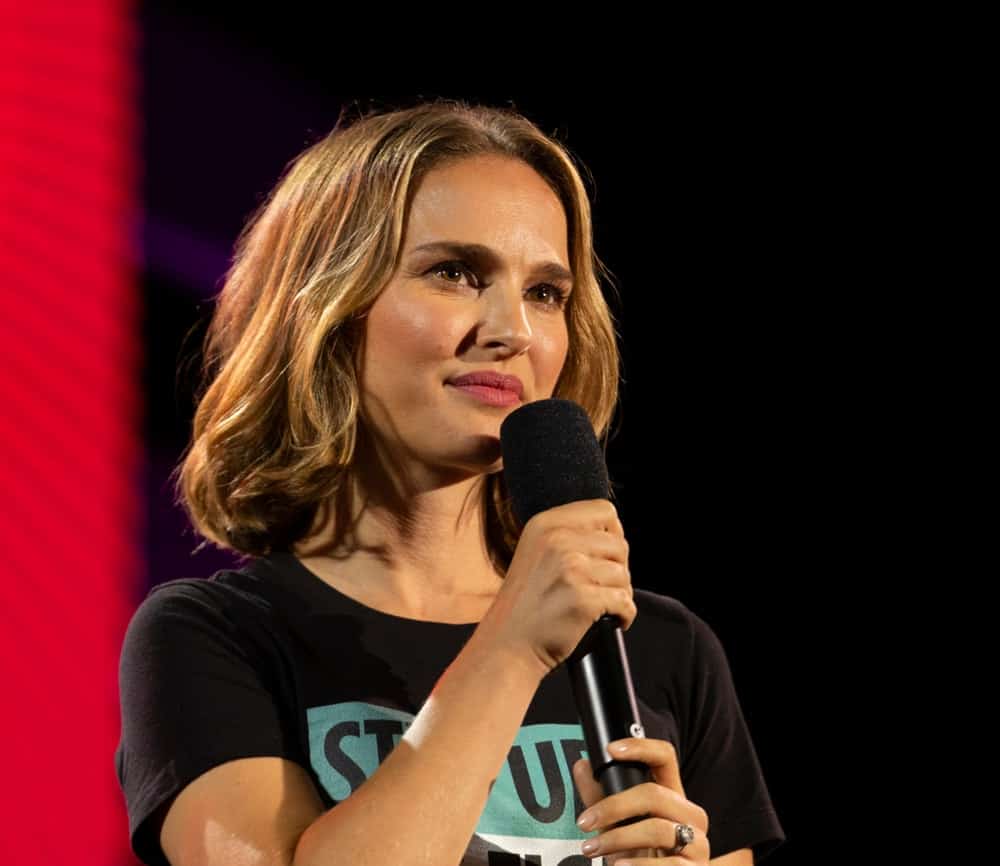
551, 457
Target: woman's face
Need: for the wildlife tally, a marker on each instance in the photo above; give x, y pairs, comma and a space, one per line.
445, 313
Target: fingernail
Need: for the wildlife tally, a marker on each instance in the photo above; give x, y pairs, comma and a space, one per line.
590, 846
619, 748
586, 820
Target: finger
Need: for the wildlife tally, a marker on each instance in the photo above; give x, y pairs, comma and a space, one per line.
659, 755
589, 788
661, 758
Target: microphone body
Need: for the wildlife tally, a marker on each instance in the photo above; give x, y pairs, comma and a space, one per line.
605, 701
552, 457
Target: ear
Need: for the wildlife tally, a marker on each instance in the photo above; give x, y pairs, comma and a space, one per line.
589, 788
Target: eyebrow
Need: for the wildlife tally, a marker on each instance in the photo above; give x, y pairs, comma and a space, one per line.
489, 258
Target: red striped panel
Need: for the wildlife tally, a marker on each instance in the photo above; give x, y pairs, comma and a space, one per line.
70, 422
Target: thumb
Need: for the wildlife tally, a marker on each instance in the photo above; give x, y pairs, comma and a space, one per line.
589, 788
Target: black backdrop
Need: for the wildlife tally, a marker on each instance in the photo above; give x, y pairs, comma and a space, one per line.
723, 207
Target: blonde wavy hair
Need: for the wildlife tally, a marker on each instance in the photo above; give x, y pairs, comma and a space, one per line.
277, 404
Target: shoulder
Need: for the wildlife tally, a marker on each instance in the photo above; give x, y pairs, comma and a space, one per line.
670, 617
661, 610
667, 611
671, 640
225, 593
222, 611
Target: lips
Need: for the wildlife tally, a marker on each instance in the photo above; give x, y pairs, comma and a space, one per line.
491, 379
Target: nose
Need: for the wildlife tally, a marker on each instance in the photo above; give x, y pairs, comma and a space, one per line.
504, 320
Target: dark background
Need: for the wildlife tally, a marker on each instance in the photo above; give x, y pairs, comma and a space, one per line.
719, 207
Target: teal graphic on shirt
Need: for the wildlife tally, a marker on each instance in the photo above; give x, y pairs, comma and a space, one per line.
533, 797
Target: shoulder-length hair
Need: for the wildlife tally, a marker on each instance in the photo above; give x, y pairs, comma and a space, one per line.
277, 405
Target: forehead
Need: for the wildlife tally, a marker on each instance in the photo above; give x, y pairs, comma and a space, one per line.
495, 201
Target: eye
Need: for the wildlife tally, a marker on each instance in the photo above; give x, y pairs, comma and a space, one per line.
450, 266
558, 296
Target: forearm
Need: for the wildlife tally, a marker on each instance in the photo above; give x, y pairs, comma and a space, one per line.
422, 804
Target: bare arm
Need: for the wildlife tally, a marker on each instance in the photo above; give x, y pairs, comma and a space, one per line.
422, 804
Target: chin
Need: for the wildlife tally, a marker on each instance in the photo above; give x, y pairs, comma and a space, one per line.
481, 454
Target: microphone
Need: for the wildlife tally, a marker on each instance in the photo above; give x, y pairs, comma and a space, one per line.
551, 457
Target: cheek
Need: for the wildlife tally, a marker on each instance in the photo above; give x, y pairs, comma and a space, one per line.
553, 349
407, 333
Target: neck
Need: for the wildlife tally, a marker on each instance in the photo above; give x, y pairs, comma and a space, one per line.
420, 543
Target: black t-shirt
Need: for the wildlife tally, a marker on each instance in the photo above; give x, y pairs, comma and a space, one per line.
269, 660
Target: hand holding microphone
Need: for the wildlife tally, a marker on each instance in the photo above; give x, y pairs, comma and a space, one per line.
570, 568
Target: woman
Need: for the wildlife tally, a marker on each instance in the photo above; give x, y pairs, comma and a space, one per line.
372, 685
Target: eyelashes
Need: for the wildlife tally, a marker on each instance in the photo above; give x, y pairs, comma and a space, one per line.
557, 293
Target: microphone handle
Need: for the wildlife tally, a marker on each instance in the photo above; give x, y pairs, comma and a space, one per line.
605, 701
